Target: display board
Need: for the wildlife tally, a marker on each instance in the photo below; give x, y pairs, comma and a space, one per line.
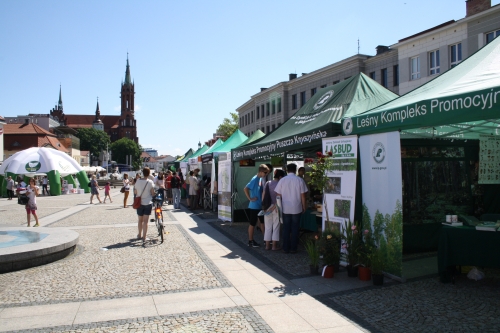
224, 187
380, 158
341, 190
489, 159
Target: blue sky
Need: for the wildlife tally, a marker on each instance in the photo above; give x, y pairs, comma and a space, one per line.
193, 62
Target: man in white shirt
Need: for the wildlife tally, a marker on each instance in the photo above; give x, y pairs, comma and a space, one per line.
292, 190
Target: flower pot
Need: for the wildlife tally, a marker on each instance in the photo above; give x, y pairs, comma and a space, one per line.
314, 269
364, 273
328, 272
352, 271
378, 279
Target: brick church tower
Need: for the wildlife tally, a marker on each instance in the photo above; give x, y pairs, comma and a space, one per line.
127, 127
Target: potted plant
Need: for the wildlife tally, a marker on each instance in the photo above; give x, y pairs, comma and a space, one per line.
377, 266
312, 250
318, 174
352, 241
329, 248
365, 256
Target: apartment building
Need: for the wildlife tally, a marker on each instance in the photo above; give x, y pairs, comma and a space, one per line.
401, 67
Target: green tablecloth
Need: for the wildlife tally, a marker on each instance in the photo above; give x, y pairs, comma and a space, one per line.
308, 220
466, 246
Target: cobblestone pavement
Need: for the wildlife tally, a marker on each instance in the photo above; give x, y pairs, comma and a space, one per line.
125, 269
289, 265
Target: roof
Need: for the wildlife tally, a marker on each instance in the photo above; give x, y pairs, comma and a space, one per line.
86, 120
319, 118
461, 103
25, 129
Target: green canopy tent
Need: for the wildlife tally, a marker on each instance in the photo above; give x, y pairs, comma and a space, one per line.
254, 137
318, 118
236, 139
212, 148
302, 134
440, 124
197, 153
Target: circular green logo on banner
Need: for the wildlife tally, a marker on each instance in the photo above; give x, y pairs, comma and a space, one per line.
323, 99
347, 125
378, 152
33, 166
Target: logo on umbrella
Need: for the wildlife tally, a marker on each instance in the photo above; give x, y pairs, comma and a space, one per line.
33, 166
64, 166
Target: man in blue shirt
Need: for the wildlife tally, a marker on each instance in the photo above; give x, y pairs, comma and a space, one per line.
253, 191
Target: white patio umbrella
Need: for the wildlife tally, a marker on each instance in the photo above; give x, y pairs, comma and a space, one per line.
39, 161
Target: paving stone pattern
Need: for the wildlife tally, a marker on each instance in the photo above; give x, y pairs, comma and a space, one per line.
289, 265
238, 319
126, 269
424, 305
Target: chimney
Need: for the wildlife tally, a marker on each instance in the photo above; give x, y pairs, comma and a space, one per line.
381, 49
262, 89
304, 74
476, 6
292, 76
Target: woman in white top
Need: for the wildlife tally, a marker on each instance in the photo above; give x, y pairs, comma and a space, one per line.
126, 185
32, 191
144, 188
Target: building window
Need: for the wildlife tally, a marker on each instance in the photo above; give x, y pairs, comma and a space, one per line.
313, 91
336, 81
267, 109
273, 106
372, 76
279, 104
395, 75
415, 68
302, 98
492, 35
262, 111
274, 127
279, 124
294, 102
262, 129
267, 129
434, 62
251, 116
258, 113
383, 77
323, 86
455, 54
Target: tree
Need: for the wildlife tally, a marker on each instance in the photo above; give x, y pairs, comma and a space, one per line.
124, 147
229, 126
93, 140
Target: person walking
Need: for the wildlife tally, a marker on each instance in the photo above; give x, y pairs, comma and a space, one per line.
292, 190
272, 220
144, 188
253, 192
94, 189
45, 182
107, 189
168, 187
193, 190
175, 183
126, 187
32, 191
10, 187
188, 199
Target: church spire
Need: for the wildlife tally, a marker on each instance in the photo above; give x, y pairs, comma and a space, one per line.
128, 80
97, 112
60, 103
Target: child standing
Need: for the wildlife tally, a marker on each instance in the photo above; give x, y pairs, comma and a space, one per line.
32, 191
107, 188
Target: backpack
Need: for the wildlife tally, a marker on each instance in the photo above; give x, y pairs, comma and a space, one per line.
175, 182
266, 203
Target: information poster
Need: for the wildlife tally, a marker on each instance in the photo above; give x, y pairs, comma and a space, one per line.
224, 187
489, 160
380, 158
340, 191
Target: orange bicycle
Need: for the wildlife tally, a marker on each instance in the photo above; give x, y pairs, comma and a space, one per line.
158, 220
